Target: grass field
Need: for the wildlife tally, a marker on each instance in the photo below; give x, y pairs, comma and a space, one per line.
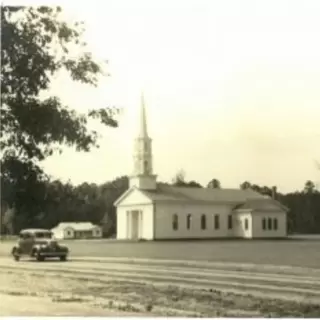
294, 252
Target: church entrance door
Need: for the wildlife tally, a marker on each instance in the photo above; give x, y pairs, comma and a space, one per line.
135, 224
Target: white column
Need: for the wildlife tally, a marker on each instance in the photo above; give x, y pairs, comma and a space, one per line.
140, 224
128, 224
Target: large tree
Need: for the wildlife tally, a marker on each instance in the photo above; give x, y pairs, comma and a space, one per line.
36, 44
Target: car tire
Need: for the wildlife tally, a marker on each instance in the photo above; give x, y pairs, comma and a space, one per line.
15, 254
63, 258
39, 257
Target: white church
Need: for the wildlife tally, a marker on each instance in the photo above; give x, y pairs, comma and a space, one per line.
156, 211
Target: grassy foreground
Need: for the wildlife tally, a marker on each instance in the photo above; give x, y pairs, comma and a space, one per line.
140, 299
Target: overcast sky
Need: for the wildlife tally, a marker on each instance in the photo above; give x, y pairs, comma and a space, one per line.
232, 89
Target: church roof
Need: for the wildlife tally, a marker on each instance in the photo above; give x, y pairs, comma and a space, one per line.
263, 204
167, 192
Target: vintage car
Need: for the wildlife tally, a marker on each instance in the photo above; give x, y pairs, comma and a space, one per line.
40, 244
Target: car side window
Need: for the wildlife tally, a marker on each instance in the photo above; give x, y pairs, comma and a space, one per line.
22, 236
26, 236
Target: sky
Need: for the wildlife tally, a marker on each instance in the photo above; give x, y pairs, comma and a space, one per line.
232, 89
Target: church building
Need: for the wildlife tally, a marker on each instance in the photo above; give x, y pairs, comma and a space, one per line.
153, 211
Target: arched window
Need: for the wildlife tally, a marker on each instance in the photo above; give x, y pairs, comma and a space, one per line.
246, 224
203, 222
188, 221
269, 224
175, 222
275, 224
264, 224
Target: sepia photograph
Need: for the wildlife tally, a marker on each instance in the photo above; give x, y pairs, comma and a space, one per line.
160, 158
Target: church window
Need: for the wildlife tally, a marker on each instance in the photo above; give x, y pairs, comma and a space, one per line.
269, 224
175, 222
230, 221
275, 224
188, 221
203, 222
246, 224
216, 222
264, 224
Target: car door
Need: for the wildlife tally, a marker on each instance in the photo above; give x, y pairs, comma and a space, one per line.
26, 243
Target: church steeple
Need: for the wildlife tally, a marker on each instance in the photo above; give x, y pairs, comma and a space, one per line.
143, 119
143, 177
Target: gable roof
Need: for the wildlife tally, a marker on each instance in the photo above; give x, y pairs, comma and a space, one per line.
77, 226
126, 194
167, 192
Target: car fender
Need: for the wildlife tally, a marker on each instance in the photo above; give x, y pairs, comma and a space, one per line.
15, 248
35, 249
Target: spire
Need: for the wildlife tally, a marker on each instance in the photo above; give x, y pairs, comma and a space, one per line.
143, 177
143, 119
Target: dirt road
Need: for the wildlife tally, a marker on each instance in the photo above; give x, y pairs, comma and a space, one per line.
121, 286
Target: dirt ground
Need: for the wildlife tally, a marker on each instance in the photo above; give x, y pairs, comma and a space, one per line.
45, 306
94, 288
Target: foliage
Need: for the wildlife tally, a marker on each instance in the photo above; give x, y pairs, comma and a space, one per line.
179, 178
36, 45
214, 184
180, 181
245, 185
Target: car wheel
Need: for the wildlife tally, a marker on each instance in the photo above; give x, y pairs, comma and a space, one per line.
39, 257
16, 257
15, 254
63, 258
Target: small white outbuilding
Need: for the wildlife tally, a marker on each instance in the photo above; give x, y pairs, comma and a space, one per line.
77, 230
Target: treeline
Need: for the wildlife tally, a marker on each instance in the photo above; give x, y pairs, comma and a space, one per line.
55, 202
58, 202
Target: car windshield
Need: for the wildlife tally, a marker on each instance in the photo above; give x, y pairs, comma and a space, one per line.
46, 235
